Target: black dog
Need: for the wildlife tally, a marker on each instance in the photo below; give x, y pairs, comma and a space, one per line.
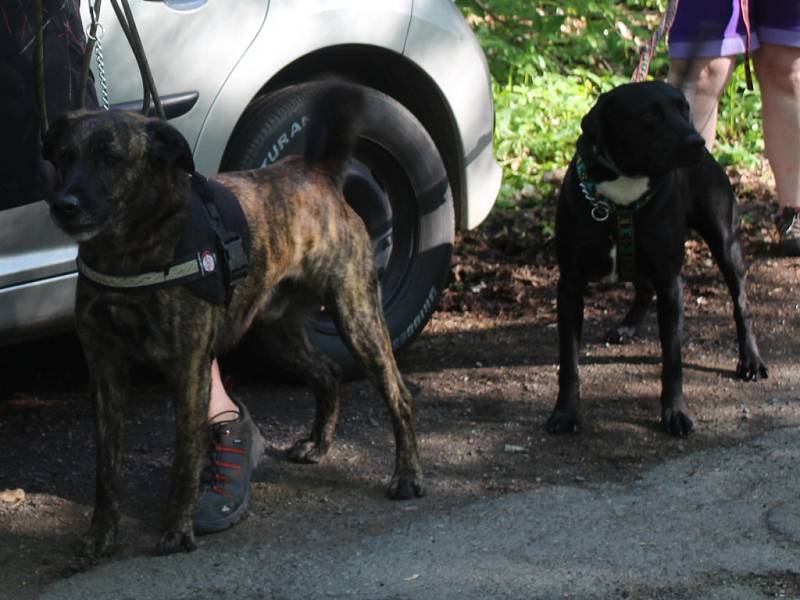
640, 177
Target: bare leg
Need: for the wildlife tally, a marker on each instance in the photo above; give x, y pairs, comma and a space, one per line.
778, 72
220, 405
703, 87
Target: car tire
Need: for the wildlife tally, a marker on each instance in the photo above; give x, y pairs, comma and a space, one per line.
397, 183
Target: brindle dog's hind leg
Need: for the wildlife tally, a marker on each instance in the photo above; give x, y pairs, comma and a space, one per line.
287, 343
356, 309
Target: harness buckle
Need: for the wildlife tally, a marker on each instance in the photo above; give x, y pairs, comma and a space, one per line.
234, 263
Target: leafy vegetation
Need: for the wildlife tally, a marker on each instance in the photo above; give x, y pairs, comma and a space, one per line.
550, 59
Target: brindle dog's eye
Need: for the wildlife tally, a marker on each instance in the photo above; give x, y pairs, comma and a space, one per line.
111, 158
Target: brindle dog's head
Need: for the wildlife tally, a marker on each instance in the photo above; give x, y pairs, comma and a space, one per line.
642, 129
109, 167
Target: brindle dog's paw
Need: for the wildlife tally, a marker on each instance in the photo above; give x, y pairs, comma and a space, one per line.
676, 422
406, 487
98, 542
620, 335
751, 369
176, 540
564, 422
306, 450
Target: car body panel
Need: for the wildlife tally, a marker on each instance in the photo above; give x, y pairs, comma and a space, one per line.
436, 42
227, 52
296, 28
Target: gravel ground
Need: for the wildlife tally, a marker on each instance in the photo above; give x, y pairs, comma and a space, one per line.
513, 511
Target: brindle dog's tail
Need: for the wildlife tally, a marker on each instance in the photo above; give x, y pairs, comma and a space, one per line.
334, 125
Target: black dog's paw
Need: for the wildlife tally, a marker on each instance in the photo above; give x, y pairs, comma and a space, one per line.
406, 487
564, 422
620, 335
177, 540
751, 369
306, 451
677, 422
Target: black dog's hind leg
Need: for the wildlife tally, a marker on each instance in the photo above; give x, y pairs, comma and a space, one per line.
674, 411
108, 389
566, 416
719, 234
287, 342
629, 326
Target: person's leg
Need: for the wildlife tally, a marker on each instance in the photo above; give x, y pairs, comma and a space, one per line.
220, 405
778, 72
703, 80
235, 446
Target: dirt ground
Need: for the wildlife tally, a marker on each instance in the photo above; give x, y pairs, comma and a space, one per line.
484, 376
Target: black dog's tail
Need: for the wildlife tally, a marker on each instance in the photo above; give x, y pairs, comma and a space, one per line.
333, 127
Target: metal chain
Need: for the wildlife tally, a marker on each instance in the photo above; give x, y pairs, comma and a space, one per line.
101, 70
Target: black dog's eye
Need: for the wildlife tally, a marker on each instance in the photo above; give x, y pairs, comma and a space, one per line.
651, 115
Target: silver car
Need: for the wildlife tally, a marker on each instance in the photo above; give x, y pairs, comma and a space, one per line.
234, 79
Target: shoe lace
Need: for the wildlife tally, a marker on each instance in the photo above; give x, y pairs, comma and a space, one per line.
211, 477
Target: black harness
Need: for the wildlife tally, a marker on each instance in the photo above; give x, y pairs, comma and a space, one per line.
210, 258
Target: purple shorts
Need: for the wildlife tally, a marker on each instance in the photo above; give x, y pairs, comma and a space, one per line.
713, 28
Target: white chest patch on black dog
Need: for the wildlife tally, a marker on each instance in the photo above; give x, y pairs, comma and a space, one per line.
613, 275
624, 190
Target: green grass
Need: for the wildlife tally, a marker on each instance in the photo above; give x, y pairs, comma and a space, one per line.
551, 59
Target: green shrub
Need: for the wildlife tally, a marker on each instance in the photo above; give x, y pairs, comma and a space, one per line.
551, 59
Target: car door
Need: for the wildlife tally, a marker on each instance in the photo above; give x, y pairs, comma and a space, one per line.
192, 46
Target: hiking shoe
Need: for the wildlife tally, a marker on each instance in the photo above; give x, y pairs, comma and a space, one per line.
234, 450
788, 223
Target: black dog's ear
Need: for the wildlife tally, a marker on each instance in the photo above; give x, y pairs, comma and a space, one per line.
591, 140
52, 138
168, 146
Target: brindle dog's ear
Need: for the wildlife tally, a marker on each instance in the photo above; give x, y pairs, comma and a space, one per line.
591, 140
52, 139
168, 146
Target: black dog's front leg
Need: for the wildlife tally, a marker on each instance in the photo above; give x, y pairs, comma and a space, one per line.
108, 389
192, 381
566, 416
674, 411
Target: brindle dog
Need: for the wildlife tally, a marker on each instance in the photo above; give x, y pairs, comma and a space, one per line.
122, 191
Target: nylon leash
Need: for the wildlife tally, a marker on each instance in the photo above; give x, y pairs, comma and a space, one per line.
648, 51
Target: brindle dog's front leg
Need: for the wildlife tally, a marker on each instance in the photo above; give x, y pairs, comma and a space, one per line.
108, 389
192, 381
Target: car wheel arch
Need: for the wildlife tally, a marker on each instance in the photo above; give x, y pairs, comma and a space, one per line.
395, 76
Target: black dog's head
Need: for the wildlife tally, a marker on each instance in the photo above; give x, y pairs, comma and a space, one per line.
109, 167
640, 129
